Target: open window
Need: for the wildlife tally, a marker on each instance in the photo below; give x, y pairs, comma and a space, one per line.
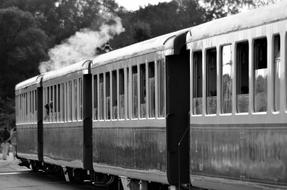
95, 97
242, 76
276, 71
226, 79
121, 94
80, 98
101, 97
151, 89
142, 91
70, 100
260, 75
114, 95
75, 101
108, 96
134, 92
211, 88
197, 83
161, 87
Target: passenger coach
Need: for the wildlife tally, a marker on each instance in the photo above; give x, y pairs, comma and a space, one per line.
238, 133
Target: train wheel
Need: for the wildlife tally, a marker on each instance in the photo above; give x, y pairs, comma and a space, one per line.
76, 175
34, 166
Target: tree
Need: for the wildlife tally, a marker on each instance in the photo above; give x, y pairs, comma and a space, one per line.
221, 8
155, 20
23, 46
61, 19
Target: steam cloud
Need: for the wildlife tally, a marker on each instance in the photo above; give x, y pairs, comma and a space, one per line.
81, 46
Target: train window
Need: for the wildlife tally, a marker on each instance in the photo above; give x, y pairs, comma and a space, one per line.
197, 83
142, 91
211, 92
55, 103
151, 89
63, 101
95, 97
108, 97
260, 75
36, 101
128, 92
242, 76
276, 69
121, 94
26, 106
114, 95
47, 105
70, 101
75, 100
161, 87
134, 92
51, 104
101, 97
81, 98
67, 101
226, 79
31, 106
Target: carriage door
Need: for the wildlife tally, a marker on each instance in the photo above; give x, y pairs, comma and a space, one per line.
177, 101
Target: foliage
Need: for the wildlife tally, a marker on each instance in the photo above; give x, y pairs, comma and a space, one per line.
153, 21
7, 113
23, 45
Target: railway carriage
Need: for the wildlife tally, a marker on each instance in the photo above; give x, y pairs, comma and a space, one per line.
63, 126
238, 131
26, 101
204, 106
129, 109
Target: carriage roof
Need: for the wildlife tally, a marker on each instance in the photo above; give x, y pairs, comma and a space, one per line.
28, 82
244, 20
79, 66
148, 46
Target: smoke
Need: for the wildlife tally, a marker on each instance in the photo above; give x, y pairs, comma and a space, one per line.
81, 46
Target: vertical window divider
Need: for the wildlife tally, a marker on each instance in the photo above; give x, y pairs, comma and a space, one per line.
156, 88
204, 82
118, 95
251, 75
147, 88
283, 72
138, 89
233, 78
270, 68
218, 79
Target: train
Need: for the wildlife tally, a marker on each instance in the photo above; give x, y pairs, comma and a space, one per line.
203, 107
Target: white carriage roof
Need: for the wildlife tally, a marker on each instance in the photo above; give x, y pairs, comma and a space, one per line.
65, 70
26, 83
151, 45
245, 20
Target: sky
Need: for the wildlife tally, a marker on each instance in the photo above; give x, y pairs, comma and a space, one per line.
133, 5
